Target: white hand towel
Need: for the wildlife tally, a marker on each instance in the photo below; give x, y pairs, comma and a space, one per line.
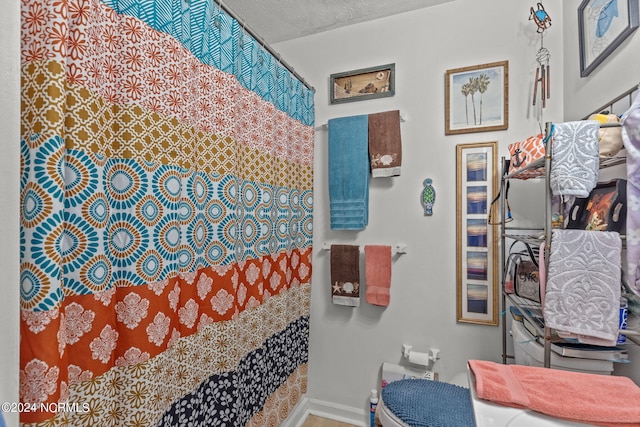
576, 160
583, 284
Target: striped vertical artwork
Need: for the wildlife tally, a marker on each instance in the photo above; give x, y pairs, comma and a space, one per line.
166, 218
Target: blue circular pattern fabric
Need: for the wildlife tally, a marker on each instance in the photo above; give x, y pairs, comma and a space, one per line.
426, 403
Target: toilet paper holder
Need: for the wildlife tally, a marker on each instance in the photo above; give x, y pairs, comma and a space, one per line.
418, 358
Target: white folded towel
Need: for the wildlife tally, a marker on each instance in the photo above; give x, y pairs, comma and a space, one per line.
583, 285
575, 158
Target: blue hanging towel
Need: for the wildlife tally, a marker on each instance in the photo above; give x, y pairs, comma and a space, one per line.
349, 172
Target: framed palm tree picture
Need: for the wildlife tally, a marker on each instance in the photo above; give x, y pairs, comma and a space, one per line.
477, 98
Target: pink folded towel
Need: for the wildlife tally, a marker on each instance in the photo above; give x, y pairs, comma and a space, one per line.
589, 398
378, 274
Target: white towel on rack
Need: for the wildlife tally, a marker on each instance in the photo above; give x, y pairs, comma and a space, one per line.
583, 285
575, 161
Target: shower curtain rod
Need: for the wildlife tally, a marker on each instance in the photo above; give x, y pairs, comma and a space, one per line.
264, 44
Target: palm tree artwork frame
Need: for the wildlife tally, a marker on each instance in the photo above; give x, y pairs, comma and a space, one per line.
477, 98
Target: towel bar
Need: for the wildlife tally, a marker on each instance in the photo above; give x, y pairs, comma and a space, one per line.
325, 126
399, 248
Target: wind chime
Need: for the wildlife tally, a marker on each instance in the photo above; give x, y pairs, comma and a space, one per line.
543, 76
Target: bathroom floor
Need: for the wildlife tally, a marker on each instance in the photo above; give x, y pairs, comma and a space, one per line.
315, 421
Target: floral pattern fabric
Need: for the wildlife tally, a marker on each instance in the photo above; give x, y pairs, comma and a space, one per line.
166, 211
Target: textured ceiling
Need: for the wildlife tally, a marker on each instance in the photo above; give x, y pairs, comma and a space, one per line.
280, 20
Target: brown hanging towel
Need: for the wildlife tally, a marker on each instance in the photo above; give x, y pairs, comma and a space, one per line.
345, 275
385, 144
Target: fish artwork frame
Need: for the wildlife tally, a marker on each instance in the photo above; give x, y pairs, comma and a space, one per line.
603, 25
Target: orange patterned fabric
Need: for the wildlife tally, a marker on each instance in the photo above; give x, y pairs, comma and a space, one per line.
145, 389
129, 325
524, 153
166, 218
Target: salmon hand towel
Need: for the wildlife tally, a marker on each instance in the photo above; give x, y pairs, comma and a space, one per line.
378, 274
385, 144
345, 275
600, 400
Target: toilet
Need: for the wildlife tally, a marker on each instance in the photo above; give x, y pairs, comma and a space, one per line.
426, 403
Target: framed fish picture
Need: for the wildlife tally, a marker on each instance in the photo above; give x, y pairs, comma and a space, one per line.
603, 25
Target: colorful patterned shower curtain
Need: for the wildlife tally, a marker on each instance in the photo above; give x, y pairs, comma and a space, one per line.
166, 208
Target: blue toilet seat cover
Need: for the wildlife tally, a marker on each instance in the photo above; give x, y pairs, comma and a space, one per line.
426, 403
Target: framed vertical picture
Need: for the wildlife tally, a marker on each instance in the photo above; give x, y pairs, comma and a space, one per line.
477, 98
477, 241
602, 26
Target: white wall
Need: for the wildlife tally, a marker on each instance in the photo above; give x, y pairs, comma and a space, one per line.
9, 188
348, 345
